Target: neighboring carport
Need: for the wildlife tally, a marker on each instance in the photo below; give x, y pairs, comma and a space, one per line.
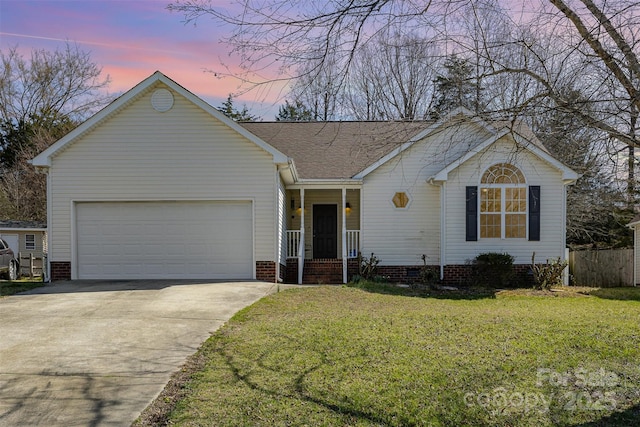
97, 353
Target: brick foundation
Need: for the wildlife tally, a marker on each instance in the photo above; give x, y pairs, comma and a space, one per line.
292, 271
60, 270
457, 274
462, 275
266, 271
330, 271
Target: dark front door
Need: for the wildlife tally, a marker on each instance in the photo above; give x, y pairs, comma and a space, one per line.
325, 231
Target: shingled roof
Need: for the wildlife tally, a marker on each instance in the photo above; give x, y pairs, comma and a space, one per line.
334, 150
14, 224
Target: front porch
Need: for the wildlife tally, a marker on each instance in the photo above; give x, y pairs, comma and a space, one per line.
323, 234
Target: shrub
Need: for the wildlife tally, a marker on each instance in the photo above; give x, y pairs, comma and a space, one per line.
368, 266
428, 276
547, 275
493, 269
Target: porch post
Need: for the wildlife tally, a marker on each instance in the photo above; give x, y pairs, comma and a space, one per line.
344, 234
301, 248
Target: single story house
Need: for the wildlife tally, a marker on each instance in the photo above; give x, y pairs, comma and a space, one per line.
28, 239
635, 225
160, 184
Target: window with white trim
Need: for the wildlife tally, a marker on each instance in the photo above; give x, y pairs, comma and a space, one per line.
30, 242
503, 203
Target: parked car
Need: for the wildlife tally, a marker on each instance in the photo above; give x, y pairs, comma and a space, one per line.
9, 266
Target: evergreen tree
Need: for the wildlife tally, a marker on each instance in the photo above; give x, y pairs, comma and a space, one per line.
457, 87
229, 110
294, 112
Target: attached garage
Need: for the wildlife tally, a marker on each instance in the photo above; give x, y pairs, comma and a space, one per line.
164, 239
161, 185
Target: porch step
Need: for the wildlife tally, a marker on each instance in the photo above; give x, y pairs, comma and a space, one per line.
327, 271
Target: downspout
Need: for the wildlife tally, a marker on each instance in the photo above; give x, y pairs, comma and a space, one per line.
443, 228
49, 216
279, 231
443, 220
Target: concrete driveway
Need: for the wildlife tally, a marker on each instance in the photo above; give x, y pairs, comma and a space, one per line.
97, 353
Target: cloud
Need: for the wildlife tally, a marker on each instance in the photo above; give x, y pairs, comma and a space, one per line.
105, 44
130, 40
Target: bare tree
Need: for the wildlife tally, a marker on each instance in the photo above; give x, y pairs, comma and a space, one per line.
41, 99
392, 78
23, 190
526, 58
50, 83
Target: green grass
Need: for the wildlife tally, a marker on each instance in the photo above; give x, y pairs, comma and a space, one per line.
9, 288
341, 356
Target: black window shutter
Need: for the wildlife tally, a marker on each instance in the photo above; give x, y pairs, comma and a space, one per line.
472, 214
534, 212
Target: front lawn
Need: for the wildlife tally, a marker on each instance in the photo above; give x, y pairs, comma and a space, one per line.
340, 356
9, 288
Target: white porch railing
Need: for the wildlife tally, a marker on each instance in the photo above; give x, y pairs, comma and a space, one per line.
353, 243
293, 243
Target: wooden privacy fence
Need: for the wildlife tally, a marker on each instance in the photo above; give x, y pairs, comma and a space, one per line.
605, 269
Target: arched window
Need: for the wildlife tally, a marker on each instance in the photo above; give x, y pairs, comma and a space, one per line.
503, 203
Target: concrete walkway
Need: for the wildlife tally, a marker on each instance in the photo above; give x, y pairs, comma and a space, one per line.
97, 353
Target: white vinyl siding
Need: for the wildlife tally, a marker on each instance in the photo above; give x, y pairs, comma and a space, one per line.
18, 240
139, 154
537, 172
402, 236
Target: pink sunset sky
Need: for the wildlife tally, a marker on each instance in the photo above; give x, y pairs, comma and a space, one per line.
130, 40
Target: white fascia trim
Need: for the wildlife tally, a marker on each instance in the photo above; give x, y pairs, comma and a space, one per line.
443, 175
385, 159
44, 158
423, 134
569, 176
287, 172
461, 111
278, 157
325, 184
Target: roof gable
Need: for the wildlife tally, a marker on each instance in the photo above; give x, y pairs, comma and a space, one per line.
457, 116
568, 175
352, 150
44, 159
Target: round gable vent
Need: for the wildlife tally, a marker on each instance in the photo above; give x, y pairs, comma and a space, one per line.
162, 100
